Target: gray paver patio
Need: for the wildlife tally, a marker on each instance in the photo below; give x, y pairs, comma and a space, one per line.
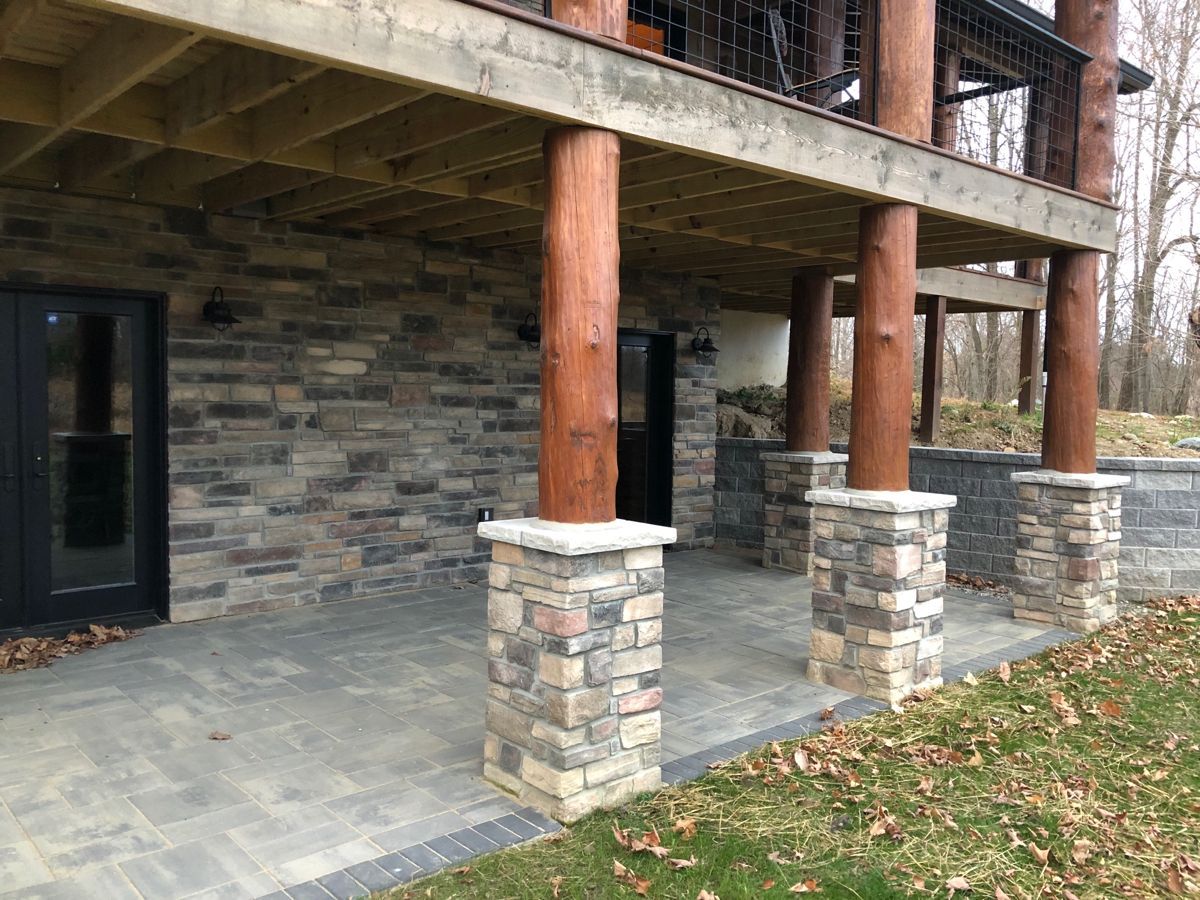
357, 734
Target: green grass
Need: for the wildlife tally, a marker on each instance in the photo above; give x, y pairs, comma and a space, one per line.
1075, 774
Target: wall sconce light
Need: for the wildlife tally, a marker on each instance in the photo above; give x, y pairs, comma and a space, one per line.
217, 312
704, 347
530, 331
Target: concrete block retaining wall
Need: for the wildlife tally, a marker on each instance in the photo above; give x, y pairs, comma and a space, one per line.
1160, 532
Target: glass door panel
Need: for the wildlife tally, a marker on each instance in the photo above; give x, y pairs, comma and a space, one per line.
90, 441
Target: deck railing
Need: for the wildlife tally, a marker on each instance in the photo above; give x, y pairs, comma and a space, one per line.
1006, 91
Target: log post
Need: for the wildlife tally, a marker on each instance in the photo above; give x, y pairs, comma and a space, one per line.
577, 464
931, 382
1072, 320
1030, 372
1037, 125
1071, 581
945, 135
884, 641
881, 403
809, 339
806, 464
572, 715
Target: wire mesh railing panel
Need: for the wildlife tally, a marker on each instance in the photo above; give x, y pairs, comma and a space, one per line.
1005, 94
805, 49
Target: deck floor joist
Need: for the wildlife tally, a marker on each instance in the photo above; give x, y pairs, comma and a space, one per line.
181, 104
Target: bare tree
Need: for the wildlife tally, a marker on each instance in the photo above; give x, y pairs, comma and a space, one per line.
1159, 169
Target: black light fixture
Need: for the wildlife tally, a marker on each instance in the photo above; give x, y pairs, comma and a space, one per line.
530, 331
704, 347
217, 312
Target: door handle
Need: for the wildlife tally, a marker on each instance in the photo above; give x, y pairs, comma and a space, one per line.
41, 460
8, 457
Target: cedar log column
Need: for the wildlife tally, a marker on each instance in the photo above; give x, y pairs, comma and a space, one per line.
881, 402
575, 597
577, 463
809, 340
581, 255
931, 382
945, 135
879, 567
806, 463
1073, 331
1069, 527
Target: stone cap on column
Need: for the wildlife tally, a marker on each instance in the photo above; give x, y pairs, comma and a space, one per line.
882, 501
813, 457
1088, 481
576, 540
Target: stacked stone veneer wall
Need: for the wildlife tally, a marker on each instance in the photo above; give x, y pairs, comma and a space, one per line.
339, 442
1160, 528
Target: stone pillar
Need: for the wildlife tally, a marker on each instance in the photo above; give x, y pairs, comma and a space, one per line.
878, 579
787, 515
1068, 538
574, 656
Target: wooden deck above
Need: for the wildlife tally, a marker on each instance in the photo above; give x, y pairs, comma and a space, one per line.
426, 117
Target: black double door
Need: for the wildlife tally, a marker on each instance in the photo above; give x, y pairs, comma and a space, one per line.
81, 457
646, 401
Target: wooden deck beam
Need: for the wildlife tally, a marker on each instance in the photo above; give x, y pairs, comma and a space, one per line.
459, 49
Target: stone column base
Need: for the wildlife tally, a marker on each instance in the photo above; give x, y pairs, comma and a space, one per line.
574, 658
787, 515
878, 579
1068, 538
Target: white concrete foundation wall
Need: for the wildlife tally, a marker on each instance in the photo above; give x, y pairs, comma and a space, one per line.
754, 349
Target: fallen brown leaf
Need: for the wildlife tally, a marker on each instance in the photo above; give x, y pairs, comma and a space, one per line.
957, 883
1081, 850
1042, 856
628, 876
1111, 709
1005, 671
555, 885
673, 863
686, 828
22, 653
808, 886
220, 736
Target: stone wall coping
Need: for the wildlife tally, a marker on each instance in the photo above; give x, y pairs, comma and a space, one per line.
576, 540
815, 457
1120, 463
1093, 482
882, 501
